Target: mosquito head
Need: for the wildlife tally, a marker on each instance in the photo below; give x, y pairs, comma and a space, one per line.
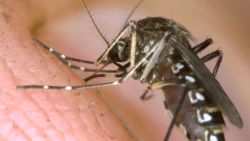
120, 52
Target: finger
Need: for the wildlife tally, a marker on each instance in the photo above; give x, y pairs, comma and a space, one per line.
41, 114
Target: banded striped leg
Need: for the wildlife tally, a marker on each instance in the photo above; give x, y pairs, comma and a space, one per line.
208, 57
65, 60
161, 41
122, 69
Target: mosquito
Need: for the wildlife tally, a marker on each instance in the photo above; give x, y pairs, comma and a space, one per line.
157, 51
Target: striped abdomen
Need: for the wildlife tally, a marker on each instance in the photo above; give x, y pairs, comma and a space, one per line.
200, 118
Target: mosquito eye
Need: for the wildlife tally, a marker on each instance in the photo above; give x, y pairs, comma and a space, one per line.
121, 45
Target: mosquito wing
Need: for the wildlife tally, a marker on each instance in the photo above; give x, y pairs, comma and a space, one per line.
216, 92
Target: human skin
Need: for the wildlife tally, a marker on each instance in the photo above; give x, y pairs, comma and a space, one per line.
44, 115
78, 115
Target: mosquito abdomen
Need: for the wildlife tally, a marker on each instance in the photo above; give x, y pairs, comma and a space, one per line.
199, 118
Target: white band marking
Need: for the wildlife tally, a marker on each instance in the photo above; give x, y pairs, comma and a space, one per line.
68, 88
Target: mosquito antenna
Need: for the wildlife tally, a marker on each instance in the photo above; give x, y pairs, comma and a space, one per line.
171, 126
131, 13
92, 19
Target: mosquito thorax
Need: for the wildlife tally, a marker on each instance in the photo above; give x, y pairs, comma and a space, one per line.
149, 31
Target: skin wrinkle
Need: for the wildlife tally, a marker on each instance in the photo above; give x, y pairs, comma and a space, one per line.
44, 54
4, 121
74, 124
14, 124
17, 126
24, 96
44, 111
83, 124
34, 101
94, 121
97, 119
48, 70
65, 119
83, 119
59, 116
43, 63
78, 117
57, 113
90, 109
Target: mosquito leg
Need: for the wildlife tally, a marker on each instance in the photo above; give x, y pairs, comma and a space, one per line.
217, 53
117, 75
176, 113
145, 95
65, 59
117, 82
133, 46
121, 71
90, 70
122, 67
91, 77
202, 45
94, 77
61, 56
